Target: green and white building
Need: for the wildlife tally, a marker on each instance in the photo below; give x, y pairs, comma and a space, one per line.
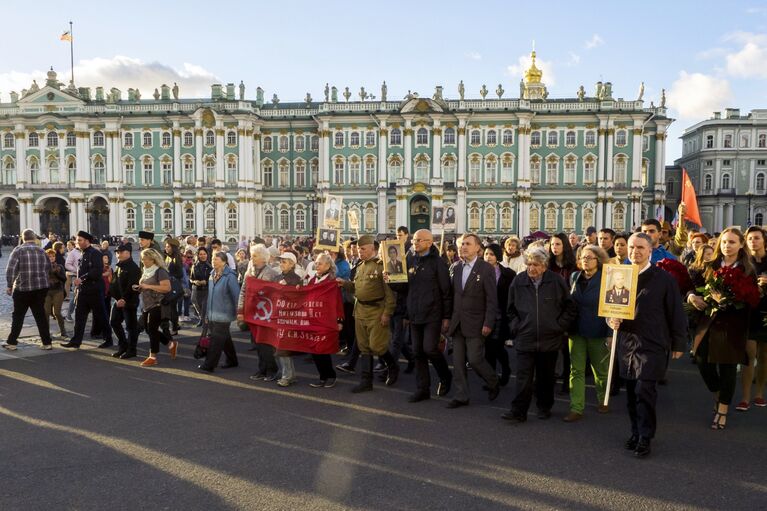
74, 158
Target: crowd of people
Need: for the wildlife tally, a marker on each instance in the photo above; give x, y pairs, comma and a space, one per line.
467, 300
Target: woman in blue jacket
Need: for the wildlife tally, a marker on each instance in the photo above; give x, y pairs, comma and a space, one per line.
587, 336
223, 293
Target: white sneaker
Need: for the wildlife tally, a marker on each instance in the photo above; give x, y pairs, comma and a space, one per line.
286, 382
9, 347
46, 347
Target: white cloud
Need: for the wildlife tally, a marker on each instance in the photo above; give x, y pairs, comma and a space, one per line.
596, 40
121, 72
523, 63
473, 55
751, 60
711, 53
573, 60
696, 95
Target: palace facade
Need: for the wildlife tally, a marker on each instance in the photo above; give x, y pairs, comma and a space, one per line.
72, 158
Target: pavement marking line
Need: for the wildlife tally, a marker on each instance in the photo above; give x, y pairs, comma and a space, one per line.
245, 386
37, 382
222, 484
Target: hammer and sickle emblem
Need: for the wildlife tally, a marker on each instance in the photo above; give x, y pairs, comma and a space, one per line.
263, 309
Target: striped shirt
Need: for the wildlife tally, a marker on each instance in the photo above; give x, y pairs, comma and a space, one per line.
28, 268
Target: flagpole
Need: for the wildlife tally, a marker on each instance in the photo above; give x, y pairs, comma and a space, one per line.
72, 53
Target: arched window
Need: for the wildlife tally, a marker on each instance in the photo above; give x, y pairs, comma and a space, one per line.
550, 218
370, 171
370, 218
395, 137
475, 137
268, 220
620, 138
391, 218
210, 138
490, 218
314, 169
474, 218
268, 175
315, 143
589, 167
232, 218
491, 169
148, 217
588, 216
188, 170
53, 139
300, 219
72, 172
568, 218
284, 220
167, 219
708, 182
508, 137
189, 218
422, 136
71, 139
506, 219
53, 169
300, 174
535, 170
492, 137
146, 139
128, 140
535, 219
300, 143
619, 218
34, 172
535, 138
210, 219
448, 170
643, 169
619, 174
395, 170
449, 136
590, 140
570, 138
9, 141
354, 139
34, 139
165, 139
99, 175
725, 180
760, 182
130, 218
552, 138
762, 142
188, 139
9, 172
210, 171
98, 139
474, 170
370, 138
759, 219
284, 143
339, 139
422, 171
266, 143
354, 170
507, 169
338, 171
166, 166
231, 138
570, 170
231, 170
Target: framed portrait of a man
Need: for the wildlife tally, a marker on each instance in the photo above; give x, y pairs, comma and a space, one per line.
449, 223
354, 220
617, 292
327, 239
333, 209
393, 255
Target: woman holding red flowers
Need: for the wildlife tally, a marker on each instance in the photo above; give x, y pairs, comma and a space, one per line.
727, 291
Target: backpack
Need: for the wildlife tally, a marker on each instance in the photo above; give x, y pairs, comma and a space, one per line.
176, 291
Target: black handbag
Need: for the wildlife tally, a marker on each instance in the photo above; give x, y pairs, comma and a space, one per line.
201, 350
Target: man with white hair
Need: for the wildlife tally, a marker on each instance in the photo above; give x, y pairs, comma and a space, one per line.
27, 282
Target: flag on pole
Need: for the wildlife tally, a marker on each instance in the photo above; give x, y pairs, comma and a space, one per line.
66, 36
688, 197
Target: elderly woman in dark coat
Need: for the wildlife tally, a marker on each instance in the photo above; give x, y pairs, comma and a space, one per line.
540, 311
495, 344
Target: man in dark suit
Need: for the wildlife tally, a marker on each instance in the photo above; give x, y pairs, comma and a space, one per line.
475, 303
332, 212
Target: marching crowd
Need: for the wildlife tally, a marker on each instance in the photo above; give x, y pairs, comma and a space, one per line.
468, 300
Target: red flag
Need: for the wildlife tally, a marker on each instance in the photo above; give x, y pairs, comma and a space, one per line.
688, 197
290, 319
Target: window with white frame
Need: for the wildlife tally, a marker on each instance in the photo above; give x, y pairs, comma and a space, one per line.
338, 172
709, 141
188, 139
210, 138
552, 138
300, 219
266, 144
589, 169
619, 217
128, 140
284, 143
568, 218
284, 174
130, 218
422, 136
300, 174
474, 171
148, 166
167, 219
490, 218
232, 218
491, 169
762, 140
52, 139
71, 139
167, 172
9, 141
99, 174
338, 140
708, 182
395, 137
759, 219
725, 181
98, 139
148, 217
507, 169
588, 216
552, 171
231, 138
210, 219
508, 137
34, 139
760, 182
53, 170
34, 172
72, 172
146, 140
284, 220
268, 175
129, 172
535, 170
475, 137
391, 218
210, 171
570, 138
395, 170
300, 143
165, 140
474, 218
620, 138
745, 139
354, 171
619, 173
370, 171
354, 139
449, 136
535, 138
370, 138
315, 143
370, 218
314, 168
231, 170
728, 141
189, 218
590, 139
535, 219
448, 170
9, 172
268, 220
422, 171
492, 137
645, 143
550, 218
570, 162
506, 218
188, 170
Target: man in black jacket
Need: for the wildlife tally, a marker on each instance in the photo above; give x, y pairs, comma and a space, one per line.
124, 308
429, 305
659, 326
90, 290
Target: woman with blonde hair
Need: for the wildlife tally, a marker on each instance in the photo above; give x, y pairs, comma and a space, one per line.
154, 283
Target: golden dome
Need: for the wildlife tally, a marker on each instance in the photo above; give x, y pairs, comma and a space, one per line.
533, 74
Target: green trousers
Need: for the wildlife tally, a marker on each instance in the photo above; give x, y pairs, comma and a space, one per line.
599, 357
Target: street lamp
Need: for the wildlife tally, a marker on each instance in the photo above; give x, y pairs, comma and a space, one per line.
749, 194
312, 197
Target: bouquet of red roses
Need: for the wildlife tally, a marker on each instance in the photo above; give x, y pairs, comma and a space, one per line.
678, 271
729, 288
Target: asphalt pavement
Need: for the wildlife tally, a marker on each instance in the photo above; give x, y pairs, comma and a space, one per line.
82, 430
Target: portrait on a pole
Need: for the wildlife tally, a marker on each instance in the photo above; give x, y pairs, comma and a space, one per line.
617, 294
393, 253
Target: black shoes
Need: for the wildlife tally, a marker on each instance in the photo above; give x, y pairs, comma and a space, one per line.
544, 414
392, 374
69, 344
106, 344
631, 443
363, 386
410, 366
229, 365
643, 448
128, 354
457, 404
444, 387
493, 392
513, 417
346, 367
503, 380
203, 367
418, 397
119, 353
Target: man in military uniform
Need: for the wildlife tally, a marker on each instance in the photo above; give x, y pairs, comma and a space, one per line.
618, 294
373, 307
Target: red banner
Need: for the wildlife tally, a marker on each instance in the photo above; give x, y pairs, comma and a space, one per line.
301, 319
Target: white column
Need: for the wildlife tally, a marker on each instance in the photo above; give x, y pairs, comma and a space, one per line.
33, 220
73, 220
199, 216
460, 211
21, 157
609, 170
436, 151
177, 169
199, 168
257, 178
114, 214
523, 160
325, 166
62, 157
600, 214
220, 163
461, 180
383, 170
636, 159
220, 217
178, 216
258, 216
407, 133
659, 162
44, 174
383, 210
83, 152
117, 165
109, 164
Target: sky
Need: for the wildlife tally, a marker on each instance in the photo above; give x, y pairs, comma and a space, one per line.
707, 55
